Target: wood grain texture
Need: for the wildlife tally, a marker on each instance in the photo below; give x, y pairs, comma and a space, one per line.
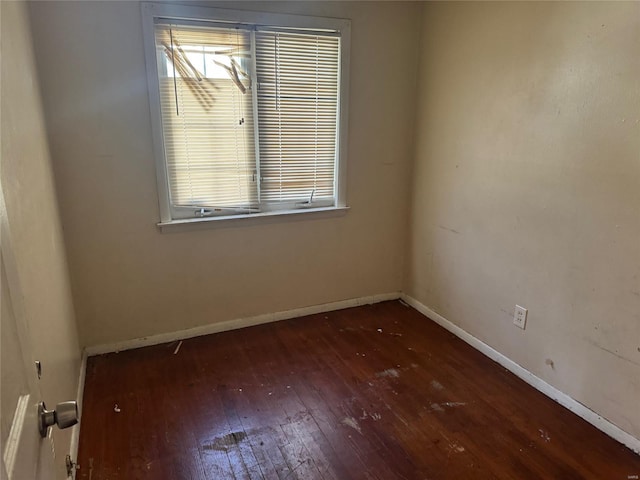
373, 392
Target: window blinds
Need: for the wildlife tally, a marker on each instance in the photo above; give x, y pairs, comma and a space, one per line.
207, 119
209, 105
298, 107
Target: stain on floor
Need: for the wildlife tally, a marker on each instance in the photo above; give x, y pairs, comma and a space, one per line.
224, 442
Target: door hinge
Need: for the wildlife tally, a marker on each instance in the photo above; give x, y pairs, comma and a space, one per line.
71, 466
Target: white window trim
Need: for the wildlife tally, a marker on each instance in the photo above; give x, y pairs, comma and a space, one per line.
152, 11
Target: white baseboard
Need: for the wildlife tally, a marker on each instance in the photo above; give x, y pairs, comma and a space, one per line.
562, 398
75, 433
237, 323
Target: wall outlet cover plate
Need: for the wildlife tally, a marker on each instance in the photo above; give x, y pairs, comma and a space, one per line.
520, 317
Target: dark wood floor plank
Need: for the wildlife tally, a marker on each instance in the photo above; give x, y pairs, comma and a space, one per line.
373, 392
299, 422
351, 413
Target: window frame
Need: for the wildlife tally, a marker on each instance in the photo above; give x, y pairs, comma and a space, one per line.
182, 13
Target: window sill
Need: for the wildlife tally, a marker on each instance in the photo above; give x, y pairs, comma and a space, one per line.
251, 218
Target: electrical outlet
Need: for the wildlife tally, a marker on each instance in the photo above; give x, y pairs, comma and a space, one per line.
520, 317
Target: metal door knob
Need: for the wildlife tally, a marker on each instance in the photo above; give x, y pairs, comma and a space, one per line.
65, 415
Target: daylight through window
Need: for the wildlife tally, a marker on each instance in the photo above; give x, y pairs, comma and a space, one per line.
249, 117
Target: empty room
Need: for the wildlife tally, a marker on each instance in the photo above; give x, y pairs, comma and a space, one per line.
320, 240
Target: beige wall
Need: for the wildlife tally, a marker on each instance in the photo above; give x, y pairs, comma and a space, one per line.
527, 189
129, 280
34, 224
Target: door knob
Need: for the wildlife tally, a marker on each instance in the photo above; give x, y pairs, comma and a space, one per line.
65, 415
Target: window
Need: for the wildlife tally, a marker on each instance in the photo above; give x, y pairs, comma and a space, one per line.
248, 111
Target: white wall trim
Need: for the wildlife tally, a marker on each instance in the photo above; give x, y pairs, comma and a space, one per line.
237, 323
563, 399
75, 434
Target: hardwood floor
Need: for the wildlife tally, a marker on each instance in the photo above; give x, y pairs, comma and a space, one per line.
374, 392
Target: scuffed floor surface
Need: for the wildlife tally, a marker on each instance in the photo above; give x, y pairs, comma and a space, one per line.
374, 392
